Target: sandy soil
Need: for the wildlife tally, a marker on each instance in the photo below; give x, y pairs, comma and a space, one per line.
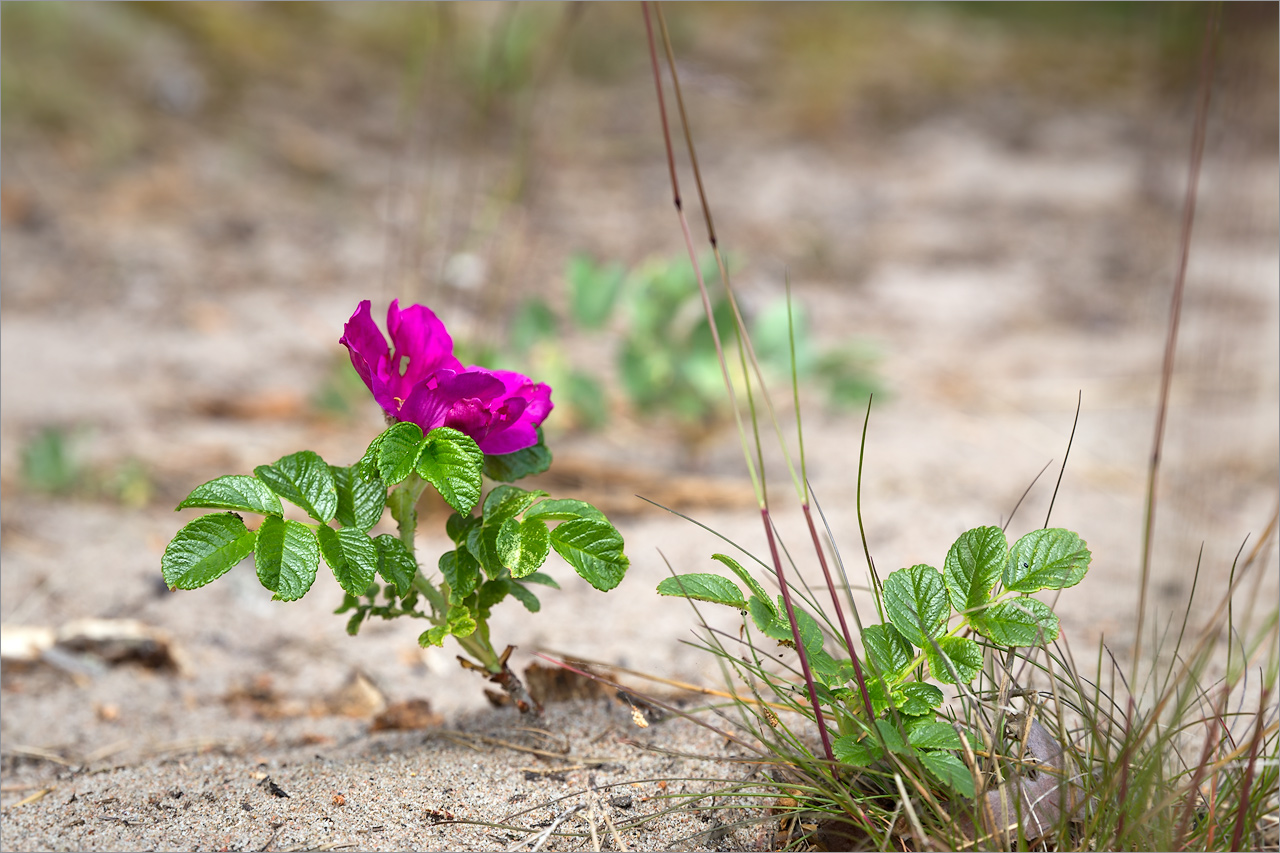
1003, 253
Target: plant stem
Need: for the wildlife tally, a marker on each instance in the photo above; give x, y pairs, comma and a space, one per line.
404, 503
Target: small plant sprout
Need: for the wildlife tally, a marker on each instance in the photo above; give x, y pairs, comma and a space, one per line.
450, 427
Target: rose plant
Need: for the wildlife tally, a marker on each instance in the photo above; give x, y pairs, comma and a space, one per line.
450, 426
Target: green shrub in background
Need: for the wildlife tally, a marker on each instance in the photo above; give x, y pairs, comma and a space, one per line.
663, 354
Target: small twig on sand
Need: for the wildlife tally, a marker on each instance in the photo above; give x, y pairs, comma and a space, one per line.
541, 838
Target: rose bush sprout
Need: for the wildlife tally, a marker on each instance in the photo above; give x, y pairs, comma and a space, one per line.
450, 426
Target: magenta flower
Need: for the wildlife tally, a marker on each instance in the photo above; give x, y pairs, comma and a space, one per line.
418, 380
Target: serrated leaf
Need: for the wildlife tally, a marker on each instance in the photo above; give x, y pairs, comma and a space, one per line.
564, 509
762, 612
396, 565
963, 654
1046, 559
205, 549
864, 748
367, 467
1017, 622
462, 622
461, 572
525, 597
950, 771
286, 557
523, 546
743, 574
973, 566
917, 698
452, 462
594, 549
360, 501
850, 749
933, 735
704, 587
915, 601
433, 636
234, 491
780, 629
303, 479
506, 502
826, 670
482, 542
888, 650
352, 556
541, 578
398, 450
509, 467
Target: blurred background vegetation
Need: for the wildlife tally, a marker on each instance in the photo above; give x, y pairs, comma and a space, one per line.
110, 87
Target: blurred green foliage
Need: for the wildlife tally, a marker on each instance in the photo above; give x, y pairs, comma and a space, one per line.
652, 321
53, 464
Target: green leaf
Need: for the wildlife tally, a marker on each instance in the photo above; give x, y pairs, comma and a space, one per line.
848, 749
482, 542
964, 655
541, 578
352, 556
780, 629
592, 290
286, 557
917, 698
743, 574
462, 622
934, 735
826, 670
396, 565
509, 467
973, 566
360, 501
950, 771
1017, 622
863, 748
452, 462
916, 602
461, 572
367, 467
491, 592
205, 549
1046, 559
433, 636
888, 650
353, 624
303, 479
704, 587
525, 597
564, 509
594, 549
398, 451
523, 546
234, 491
875, 694
459, 527
762, 612
506, 502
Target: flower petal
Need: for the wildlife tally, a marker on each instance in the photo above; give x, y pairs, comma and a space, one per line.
420, 346
368, 350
